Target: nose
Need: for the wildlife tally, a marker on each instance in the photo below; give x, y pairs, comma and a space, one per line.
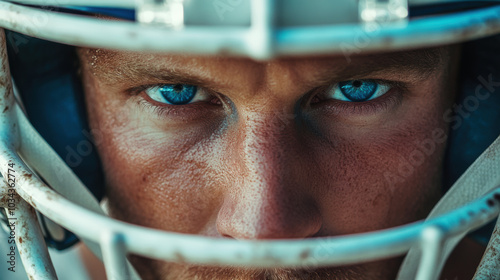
269, 196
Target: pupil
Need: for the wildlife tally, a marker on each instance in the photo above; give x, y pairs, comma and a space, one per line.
178, 94
358, 90
178, 87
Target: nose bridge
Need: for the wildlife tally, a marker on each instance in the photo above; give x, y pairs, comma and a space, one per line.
266, 140
269, 201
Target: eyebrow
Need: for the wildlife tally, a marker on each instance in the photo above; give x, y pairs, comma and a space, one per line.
416, 64
137, 69
172, 76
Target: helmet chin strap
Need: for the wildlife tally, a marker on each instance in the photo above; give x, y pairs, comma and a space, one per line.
480, 178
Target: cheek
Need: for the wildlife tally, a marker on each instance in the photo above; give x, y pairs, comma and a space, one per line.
375, 184
153, 178
385, 175
153, 184
160, 182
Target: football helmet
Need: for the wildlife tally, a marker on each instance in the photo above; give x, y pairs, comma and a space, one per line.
48, 161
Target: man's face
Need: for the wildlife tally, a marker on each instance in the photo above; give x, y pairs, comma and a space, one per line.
289, 148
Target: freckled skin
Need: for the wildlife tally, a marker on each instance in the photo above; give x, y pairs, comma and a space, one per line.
254, 168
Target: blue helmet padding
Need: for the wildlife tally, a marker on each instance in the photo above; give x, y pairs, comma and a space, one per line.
127, 14
45, 74
474, 129
474, 126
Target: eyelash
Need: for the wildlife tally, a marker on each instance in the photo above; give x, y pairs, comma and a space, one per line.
163, 110
373, 106
381, 103
384, 102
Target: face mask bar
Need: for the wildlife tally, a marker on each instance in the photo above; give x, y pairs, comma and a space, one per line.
21, 146
263, 38
117, 238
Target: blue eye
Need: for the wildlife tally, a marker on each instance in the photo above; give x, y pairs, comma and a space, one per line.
358, 90
177, 94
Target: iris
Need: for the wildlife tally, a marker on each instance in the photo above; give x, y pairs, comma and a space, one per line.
358, 90
178, 94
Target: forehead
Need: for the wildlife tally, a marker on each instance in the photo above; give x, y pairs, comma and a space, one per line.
113, 66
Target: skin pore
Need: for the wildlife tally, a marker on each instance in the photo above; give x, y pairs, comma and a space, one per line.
267, 152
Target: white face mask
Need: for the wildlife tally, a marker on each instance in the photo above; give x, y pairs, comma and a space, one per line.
261, 30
